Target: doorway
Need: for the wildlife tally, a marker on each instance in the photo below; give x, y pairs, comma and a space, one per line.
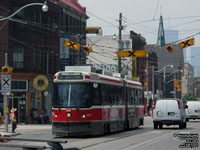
20, 104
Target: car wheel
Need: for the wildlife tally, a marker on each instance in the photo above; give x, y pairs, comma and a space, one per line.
155, 126
185, 125
160, 126
181, 125
187, 119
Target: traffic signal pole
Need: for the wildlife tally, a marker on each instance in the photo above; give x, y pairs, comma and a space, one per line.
6, 110
120, 38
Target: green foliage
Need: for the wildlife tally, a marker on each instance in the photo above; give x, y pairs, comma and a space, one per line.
189, 97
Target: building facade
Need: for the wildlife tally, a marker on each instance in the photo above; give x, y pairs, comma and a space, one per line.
165, 58
34, 42
187, 80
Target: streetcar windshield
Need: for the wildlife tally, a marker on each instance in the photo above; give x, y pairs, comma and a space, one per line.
72, 95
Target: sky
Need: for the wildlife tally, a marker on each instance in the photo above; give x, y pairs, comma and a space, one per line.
142, 17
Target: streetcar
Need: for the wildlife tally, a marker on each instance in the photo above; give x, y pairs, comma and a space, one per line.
88, 102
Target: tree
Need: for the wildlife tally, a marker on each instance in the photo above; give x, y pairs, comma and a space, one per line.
189, 97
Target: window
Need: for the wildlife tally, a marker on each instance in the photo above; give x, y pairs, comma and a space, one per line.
18, 58
95, 94
20, 85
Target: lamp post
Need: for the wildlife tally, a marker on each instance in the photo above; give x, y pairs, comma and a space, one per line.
44, 9
164, 76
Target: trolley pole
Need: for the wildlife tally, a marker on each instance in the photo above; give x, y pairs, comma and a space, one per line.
120, 38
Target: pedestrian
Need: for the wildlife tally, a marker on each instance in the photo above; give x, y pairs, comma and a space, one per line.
13, 119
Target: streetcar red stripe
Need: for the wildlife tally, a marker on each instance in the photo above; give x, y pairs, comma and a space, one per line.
110, 80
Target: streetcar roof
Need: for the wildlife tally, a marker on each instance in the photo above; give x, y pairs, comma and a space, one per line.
96, 77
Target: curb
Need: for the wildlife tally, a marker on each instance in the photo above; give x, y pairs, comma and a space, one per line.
8, 134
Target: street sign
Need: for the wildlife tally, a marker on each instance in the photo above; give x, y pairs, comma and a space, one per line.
186, 43
72, 45
5, 84
132, 53
92, 30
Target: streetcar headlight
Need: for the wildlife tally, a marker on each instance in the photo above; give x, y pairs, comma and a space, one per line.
56, 115
68, 114
83, 115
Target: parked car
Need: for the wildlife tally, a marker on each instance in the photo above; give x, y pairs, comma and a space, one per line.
193, 110
169, 112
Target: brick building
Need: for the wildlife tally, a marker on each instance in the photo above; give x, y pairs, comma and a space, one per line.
34, 42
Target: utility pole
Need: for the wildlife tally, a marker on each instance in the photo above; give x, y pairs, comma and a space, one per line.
120, 41
153, 84
79, 51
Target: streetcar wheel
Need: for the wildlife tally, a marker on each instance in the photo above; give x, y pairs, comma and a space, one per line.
105, 129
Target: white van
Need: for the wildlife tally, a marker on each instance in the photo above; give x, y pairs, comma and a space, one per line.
169, 112
193, 110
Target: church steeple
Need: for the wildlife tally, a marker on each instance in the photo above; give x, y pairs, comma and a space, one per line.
161, 33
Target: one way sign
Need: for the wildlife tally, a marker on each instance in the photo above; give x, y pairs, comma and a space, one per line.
5, 84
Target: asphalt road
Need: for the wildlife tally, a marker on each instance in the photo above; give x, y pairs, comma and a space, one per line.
143, 138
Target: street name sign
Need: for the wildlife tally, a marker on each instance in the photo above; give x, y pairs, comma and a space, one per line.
132, 53
6, 84
186, 43
72, 45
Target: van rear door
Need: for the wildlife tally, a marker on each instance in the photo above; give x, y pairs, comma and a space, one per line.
160, 110
173, 110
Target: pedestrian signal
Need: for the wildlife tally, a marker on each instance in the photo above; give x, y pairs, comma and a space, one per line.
170, 48
6, 69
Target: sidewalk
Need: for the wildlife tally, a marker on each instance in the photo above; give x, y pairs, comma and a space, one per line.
9, 133
21, 129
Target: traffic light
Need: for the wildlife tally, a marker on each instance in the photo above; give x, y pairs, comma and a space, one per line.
6, 69
170, 48
88, 49
175, 83
179, 88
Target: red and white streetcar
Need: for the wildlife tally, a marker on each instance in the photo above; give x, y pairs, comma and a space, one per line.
90, 103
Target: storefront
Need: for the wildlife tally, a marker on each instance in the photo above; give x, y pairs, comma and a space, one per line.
25, 97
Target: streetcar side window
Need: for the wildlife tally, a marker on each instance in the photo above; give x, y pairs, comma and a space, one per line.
141, 97
96, 95
121, 97
104, 94
136, 97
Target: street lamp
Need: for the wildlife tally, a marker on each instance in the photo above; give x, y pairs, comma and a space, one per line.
164, 77
44, 9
